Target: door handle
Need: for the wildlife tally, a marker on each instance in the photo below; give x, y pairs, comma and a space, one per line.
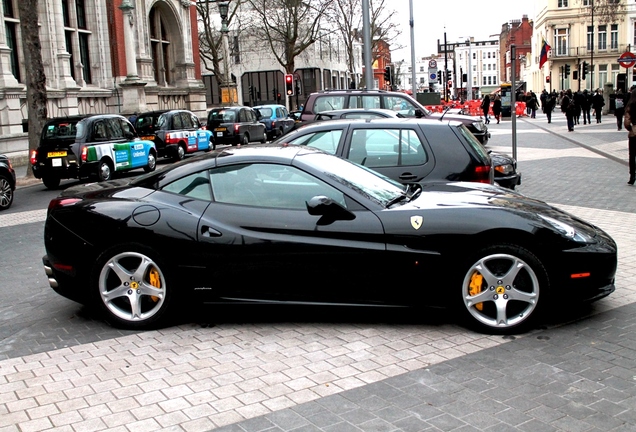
408, 176
207, 231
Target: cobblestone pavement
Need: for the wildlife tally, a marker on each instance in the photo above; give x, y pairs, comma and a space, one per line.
340, 372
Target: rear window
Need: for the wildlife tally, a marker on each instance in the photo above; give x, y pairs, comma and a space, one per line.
215, 118
60, 130
265, 112
146, 123
474, 143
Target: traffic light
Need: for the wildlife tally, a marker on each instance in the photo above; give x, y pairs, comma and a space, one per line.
387, 74
252, 93
547, 79
464, 77
567, 70
439, 78
584, 70
289, 84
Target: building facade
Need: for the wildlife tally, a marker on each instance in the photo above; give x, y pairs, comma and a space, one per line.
519, 34
578, 34
102, 56
478, 62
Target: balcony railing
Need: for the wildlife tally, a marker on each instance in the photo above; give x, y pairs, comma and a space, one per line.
574, 52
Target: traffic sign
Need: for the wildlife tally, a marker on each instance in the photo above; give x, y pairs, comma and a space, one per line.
627, 59
432, 76
432, 64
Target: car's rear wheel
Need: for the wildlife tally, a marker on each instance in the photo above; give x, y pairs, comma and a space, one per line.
104, 171
245, 140
501, 289
51, 182
180, 152
152, 163
6, 193
132, 287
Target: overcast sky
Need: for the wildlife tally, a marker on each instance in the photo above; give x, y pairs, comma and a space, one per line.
458, 18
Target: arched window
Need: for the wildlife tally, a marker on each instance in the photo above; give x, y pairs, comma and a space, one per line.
162, 60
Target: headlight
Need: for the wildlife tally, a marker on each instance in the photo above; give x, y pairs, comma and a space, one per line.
568, 231
479, 125
504, 169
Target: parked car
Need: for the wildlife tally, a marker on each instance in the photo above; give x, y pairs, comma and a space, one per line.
7, 182
405, 150
174, 132
206, 229
235, 125
328, 100
276, 119
89, 146
505, 166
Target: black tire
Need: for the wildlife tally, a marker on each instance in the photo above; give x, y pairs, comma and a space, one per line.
245, 139
179, 152
503, 289
129, 285
51, 182
104, 171
6, 193
152, 163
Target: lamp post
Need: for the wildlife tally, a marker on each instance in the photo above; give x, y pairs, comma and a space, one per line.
228, 90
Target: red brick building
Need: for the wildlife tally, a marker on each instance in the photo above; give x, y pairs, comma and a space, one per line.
518, 33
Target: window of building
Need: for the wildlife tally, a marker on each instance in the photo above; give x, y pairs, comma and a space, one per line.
77, 38
484, 81
590, 38
421, 68
614, 36
602, 73
562, 3
561, 41
602, 37
160, 47
587, 2
11, 24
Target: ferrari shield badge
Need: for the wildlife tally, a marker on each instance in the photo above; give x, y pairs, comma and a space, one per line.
416, 221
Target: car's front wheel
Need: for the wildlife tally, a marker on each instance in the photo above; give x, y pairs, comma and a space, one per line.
6, 193
132, 288
501, 289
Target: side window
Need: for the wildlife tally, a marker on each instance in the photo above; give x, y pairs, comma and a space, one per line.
367, 101
269, 186
399, 104
100, 131
126, 128
242, 116
176, 122
193, 186
325, 140
195, 121
377, 148
328, 103
362, 116
114, 129
186, 120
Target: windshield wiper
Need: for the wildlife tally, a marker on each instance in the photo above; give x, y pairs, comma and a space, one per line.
397, 199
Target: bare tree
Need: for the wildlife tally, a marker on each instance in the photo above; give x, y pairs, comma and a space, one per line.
608, 11
347, 17
211, 38
35, 77
289, 27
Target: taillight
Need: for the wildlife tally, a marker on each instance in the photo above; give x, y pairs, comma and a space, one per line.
34, 157
236, 128
62, 202
482, 174
84, 154
273, 124
168, 139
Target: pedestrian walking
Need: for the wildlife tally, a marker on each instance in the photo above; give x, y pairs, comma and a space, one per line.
631, 136
619, 108
569, 109
549, 105
532, 104
586, 106
597, 104
578, 101
496, 108
485, 106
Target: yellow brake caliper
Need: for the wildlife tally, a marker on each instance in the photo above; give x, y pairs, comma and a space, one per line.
476, 281
155, 281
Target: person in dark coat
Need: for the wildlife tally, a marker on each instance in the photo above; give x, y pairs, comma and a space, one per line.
578, 102
532, 104
619, 108
568, 108
598, 103
496, 108
485, 107
586, 106
549, 105
631, 135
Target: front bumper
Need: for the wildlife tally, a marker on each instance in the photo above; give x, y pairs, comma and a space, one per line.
509, 181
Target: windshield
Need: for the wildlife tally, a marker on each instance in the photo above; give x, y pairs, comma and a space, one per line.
265, 112
369, 183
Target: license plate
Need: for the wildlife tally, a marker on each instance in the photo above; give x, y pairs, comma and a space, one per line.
220, 129
56, 154
57, 162
219, 134
148, 138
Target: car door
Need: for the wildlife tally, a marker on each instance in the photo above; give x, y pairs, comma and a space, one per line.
263, 244
399, 152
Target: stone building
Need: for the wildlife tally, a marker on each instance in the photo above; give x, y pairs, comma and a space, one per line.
102, 56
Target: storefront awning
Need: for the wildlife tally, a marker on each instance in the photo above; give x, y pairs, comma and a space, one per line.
486, 90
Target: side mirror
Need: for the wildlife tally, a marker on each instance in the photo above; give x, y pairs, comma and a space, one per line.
329, 210
419, 113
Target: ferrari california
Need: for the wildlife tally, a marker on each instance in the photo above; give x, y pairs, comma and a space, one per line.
294, 225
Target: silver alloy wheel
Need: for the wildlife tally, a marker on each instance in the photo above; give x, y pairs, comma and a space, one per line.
152, 163
104, 173
500, 291
132, 287
6, 193
180, 152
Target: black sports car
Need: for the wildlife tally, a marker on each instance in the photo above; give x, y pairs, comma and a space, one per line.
294, 225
